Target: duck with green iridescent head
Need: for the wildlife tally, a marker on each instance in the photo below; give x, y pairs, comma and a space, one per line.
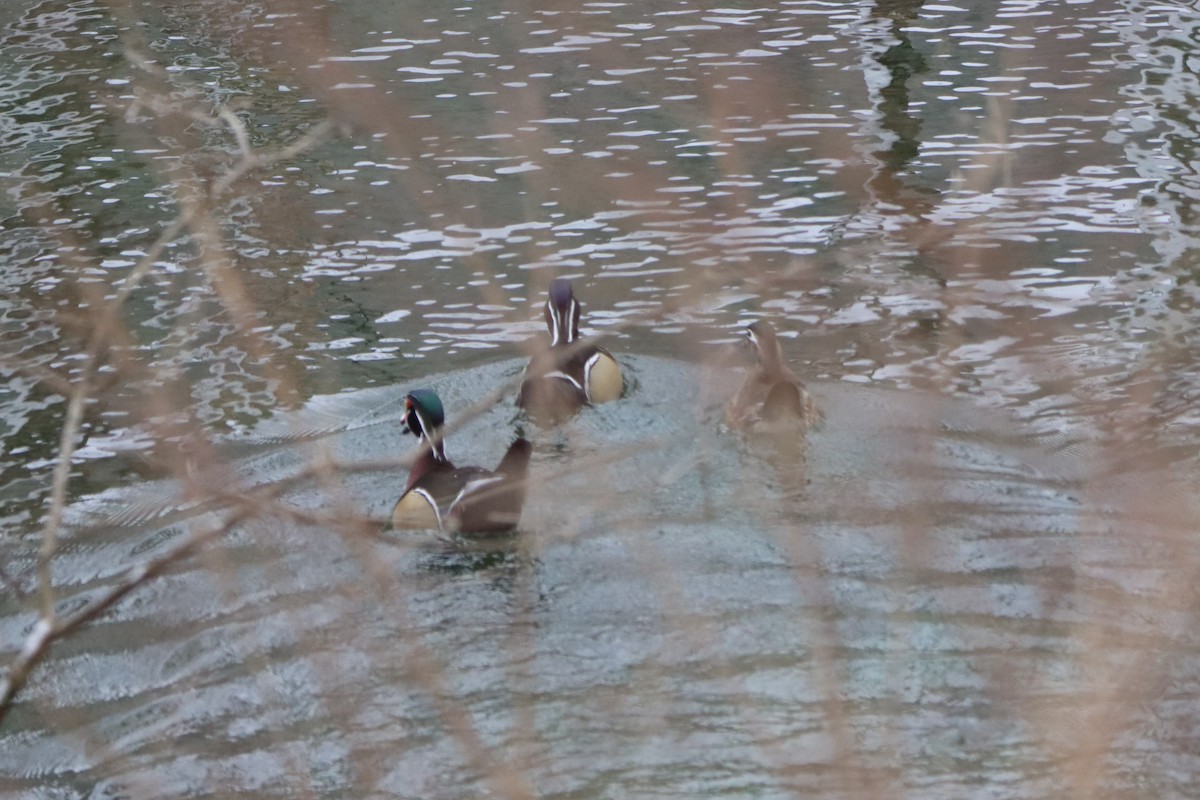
570, 373
469, 500
772, 396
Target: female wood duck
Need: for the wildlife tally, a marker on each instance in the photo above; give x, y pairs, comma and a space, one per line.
772, 394
458, 499
570, 374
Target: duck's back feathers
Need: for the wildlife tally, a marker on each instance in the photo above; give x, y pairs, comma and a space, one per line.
783, 401
772, 394
549, 394
467, 499
491, 502
515, 463
555, 388
569, 374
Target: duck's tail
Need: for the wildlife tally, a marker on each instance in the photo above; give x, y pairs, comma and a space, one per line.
515, 463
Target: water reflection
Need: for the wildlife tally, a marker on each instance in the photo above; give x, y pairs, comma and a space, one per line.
994, 203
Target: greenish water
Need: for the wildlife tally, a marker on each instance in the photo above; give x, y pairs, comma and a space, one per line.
972, 224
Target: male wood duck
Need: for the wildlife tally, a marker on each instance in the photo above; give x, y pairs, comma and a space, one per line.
457, 499
570, 374
772, 394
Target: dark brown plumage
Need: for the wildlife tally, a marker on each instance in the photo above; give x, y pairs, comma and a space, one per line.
470, 500
570, 373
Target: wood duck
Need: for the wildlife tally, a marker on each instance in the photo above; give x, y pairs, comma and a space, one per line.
772, 394
570, 374
457, 499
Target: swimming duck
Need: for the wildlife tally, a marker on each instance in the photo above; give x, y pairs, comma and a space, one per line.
561, 380
772, 394
458, 499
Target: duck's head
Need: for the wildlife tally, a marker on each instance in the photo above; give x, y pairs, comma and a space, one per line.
766, 344
423, 414
562, 313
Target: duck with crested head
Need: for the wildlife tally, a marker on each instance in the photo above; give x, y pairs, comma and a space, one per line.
440, 495
772, 394
570, 373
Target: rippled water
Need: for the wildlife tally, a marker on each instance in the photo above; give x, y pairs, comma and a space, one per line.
972, 223
695, 618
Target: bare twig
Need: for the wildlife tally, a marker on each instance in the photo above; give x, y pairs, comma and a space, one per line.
102, 337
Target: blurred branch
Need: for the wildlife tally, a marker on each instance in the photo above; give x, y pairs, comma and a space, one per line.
105, 331
245, 506
58, 497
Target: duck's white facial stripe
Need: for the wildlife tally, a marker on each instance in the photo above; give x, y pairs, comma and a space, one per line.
573, 318
555, 322
561, 333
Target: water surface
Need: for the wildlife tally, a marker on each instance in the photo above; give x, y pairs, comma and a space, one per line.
972, 224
